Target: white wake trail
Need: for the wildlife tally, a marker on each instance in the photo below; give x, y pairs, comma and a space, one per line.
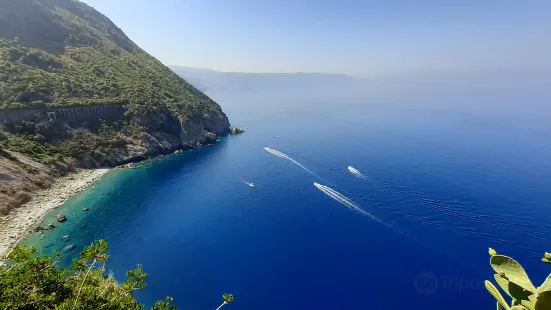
285, 156
350, 204
356, 172
347, 202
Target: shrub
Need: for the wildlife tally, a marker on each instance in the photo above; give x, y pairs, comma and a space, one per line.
30, 281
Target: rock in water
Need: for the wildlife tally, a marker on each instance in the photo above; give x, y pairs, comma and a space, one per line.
236, 131
51, 226
61, 218
39, 229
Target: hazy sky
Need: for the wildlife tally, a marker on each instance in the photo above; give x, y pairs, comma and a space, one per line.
369, 37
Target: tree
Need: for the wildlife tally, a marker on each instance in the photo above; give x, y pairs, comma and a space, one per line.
164, 305
30, 281
226, 299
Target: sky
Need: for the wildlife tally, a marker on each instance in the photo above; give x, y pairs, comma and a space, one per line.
361, 38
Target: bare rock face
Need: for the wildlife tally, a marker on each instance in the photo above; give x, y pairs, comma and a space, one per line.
203, 129
168, 131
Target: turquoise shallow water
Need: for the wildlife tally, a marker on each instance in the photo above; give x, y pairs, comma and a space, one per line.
446, 177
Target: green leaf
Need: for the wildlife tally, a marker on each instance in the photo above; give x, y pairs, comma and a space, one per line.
546, 286
529, 304
497, 295
513, 271
513, 290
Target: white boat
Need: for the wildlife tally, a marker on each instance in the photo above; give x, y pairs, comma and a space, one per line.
248, 183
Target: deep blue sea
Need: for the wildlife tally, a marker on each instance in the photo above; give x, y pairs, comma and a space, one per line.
447, 175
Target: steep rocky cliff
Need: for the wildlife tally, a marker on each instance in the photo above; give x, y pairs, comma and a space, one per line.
60, 62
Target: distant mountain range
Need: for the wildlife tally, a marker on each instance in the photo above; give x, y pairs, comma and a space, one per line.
210, 80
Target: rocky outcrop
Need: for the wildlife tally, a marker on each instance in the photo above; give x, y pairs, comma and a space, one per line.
61, 218
164, 134
236, 131
167, 132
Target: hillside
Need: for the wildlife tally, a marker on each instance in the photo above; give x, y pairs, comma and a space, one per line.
76, 92
59, 52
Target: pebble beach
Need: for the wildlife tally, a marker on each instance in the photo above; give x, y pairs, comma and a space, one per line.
20, 222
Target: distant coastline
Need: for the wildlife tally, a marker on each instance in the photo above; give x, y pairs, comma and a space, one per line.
24, 220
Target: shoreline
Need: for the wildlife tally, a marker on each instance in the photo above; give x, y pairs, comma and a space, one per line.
15, 226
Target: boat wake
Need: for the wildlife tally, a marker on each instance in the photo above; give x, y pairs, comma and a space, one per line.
285, 156
351, 205
347, 202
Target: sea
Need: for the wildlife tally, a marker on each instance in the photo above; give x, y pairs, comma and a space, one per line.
444, 175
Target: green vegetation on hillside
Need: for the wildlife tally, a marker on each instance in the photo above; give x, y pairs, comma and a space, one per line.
88, 60
50, 142
513, 280
28, 281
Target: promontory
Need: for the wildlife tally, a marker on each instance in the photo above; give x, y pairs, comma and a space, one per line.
77, 93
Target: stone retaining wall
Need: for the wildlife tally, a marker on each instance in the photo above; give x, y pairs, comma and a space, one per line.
69, 114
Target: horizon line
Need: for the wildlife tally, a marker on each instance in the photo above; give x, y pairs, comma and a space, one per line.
454, 72
260, 72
